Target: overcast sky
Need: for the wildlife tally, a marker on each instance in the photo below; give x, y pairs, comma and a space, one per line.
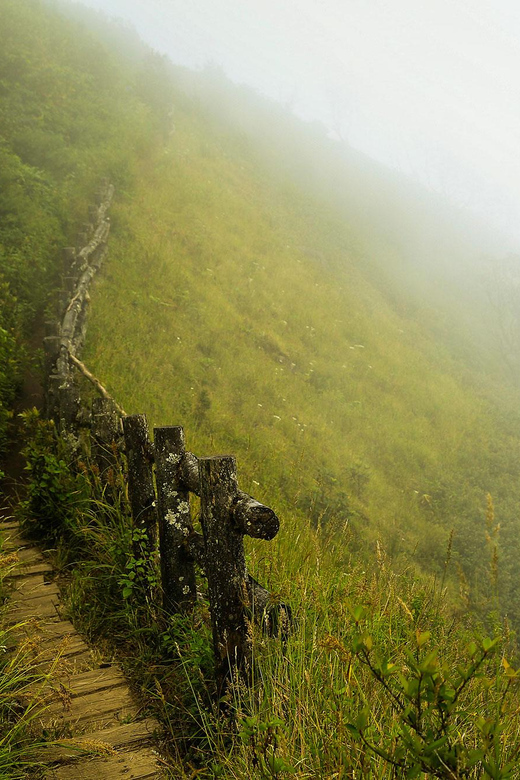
430, 87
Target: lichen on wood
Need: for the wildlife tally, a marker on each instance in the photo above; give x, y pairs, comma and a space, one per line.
173, 503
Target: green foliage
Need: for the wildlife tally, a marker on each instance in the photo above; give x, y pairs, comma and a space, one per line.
9, 357
266, 324
449, 722
55, 494
366, 689
261, 739
140, 575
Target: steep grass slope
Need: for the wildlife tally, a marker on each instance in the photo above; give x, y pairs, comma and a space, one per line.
239, 305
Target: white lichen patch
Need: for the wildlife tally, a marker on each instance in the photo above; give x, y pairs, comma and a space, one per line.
176, 522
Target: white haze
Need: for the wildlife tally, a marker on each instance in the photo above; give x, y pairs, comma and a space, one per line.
428, 87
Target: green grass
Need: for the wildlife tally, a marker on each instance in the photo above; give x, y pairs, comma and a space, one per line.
23, 687
68, 117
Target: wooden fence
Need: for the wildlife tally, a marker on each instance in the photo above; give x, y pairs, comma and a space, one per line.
160, 477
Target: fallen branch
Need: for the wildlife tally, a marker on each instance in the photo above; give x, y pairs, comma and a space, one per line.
97, 384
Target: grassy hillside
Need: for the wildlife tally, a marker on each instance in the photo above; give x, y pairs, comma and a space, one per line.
239, 305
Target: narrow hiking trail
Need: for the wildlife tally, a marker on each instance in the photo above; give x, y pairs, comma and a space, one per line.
88, 703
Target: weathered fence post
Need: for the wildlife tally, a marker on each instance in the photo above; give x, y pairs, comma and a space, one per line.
225, 570
141, 490
105, 432
173, 502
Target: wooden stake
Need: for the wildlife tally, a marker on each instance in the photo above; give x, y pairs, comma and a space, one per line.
141, 491
173, 503
226, 571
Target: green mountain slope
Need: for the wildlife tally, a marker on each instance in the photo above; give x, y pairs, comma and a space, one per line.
242, 306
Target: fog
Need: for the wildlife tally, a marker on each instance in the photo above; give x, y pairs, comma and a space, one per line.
430, 88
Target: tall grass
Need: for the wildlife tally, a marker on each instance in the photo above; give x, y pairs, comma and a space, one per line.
25, 682
340, 696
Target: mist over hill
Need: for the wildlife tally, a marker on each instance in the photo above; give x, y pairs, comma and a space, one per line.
443, 257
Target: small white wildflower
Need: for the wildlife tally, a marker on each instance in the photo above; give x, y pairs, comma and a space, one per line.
186, 590
184, 506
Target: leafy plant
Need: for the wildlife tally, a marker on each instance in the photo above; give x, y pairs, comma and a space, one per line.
261, 739
55, 493
449, 721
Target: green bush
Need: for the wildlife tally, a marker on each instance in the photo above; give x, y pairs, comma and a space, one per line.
55, 493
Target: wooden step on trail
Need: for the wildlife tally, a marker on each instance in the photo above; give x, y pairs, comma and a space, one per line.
89, 706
